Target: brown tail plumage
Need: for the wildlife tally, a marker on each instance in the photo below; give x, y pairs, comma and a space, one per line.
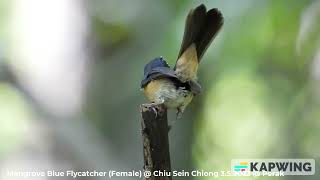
201, 28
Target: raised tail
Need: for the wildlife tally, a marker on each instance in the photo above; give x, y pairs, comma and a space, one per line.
200, 29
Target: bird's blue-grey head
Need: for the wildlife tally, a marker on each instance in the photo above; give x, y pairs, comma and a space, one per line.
157, 62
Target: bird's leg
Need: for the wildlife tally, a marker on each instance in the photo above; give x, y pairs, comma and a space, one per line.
179, 113
153, 106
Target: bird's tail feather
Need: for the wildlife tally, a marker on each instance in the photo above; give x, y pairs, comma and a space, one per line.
200, 29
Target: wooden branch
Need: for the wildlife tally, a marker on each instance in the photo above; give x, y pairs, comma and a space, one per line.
156, 142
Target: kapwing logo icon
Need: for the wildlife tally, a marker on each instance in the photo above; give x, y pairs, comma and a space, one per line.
242, 166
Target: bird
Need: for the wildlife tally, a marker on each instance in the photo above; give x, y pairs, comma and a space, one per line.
175, 87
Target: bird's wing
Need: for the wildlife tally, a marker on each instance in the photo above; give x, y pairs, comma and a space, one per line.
195, 87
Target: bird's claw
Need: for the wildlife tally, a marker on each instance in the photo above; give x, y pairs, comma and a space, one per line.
152, 107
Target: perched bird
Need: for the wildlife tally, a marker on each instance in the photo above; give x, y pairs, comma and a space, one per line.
175, 88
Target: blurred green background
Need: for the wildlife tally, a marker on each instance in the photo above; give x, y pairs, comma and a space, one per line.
70, 73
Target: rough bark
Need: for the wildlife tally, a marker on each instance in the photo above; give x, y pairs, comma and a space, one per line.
156, 142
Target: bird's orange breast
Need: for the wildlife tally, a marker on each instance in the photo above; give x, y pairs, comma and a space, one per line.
151, 89
164, 91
